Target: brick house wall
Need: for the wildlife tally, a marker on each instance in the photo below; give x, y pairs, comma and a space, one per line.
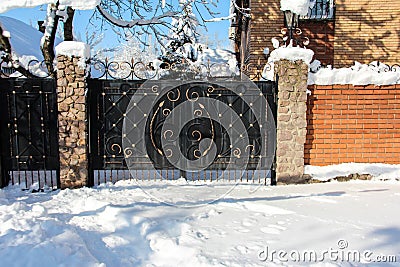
348, 123
322, 35
266, 23
367, 30
363, 30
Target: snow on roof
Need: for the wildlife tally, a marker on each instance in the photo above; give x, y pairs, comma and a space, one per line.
7, 5
25, 40
300, 7
359, 74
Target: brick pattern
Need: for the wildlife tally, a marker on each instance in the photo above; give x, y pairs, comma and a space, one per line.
363, 30
266, 23
348, 123
321, 35
367, 30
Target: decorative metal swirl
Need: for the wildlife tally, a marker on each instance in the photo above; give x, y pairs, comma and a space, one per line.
138, 70
116, 148
128, 152
198, 133
166, 132
380, 67
173, 98
122, 69
293, 37
35, 68
193, 97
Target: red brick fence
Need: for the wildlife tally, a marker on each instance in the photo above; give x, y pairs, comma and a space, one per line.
347, 123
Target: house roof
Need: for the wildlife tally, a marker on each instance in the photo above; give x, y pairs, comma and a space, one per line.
25, 39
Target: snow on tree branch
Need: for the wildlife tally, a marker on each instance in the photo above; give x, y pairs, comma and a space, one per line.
136, 22
47, 43
231, 16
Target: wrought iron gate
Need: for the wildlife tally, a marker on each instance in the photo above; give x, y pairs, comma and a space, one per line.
29, 133
107, 104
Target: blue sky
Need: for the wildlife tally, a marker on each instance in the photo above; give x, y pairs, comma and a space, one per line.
215, 30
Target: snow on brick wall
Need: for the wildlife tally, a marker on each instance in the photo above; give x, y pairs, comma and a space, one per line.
347, 123
359, 74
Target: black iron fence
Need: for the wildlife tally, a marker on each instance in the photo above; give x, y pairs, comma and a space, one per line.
29, 152
28, 133
107, 104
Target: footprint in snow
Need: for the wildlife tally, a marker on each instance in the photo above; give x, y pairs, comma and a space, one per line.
242, 230
270, 230
242, 249
248, 222
202, 235
277, 227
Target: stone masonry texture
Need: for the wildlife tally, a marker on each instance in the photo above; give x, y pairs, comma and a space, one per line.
71, 84
291, 120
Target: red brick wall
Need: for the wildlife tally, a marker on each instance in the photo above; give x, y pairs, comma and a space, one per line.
321, 35
353, 124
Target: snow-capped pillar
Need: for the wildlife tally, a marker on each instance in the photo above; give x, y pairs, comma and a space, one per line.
291, 120
71, 87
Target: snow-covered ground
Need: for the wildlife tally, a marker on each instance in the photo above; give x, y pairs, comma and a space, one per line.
378, 171
122, 225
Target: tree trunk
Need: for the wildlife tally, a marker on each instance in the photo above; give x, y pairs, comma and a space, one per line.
68, 29
49, 36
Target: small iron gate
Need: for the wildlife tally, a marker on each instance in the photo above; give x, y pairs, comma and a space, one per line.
29, 133
107, 103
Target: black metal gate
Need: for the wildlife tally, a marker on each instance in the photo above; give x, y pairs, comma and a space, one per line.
29, 133
107, 104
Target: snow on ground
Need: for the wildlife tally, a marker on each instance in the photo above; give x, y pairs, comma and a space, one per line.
379, 171
122, 225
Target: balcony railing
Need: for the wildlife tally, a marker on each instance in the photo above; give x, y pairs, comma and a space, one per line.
322, 9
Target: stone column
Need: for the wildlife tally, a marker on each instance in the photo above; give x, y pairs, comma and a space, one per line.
291, 120
71, 84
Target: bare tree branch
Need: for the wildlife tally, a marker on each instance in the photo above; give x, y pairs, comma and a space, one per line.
136, 22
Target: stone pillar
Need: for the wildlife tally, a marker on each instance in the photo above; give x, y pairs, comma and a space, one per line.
71, 84
291, 120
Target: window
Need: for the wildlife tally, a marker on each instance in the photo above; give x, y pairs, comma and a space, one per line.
322, 9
